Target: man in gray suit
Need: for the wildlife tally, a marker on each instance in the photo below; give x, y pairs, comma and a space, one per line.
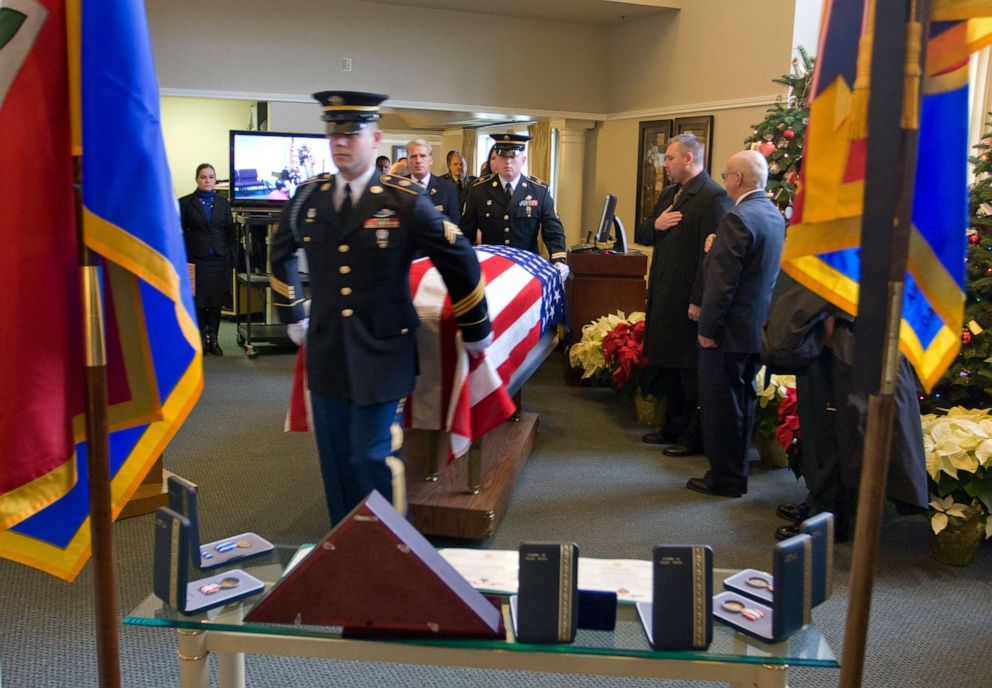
739, 274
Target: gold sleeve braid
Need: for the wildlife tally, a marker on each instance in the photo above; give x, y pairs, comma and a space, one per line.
471, 300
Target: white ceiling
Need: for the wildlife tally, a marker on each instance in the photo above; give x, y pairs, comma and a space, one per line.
593, 12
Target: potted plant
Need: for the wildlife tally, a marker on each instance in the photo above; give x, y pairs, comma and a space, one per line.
958, 446
776, 424
612, 350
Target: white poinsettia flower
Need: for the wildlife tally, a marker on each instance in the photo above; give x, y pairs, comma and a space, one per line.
983, 452
943, 509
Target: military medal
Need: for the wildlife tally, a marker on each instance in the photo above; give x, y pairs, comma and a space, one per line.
230, 582
737, 607
758, 582
382, 238
225, 546
209, 588
244, 543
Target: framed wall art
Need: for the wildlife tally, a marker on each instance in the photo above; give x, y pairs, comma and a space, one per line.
702, 127
651, 178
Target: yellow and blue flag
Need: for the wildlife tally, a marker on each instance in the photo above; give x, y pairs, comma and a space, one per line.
822, 245
92, 58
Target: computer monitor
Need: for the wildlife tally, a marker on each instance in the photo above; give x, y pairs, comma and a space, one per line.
609, 224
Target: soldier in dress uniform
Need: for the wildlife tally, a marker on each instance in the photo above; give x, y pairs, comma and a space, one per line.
509, 209
360, 230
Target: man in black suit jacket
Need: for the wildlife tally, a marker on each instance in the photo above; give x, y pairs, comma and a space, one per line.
687, 212
456, 175
441, 192
739, 274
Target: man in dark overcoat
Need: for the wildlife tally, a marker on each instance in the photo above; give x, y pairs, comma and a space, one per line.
739, 275
687, 212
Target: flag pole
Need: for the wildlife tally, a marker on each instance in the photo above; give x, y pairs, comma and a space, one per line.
98, 456
885, 231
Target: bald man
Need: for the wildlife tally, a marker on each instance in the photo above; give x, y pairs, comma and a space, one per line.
739, 273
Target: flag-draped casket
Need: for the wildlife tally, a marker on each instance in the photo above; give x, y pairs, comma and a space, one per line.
468, 397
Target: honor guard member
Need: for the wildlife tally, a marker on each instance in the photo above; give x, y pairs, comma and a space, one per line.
509, 209
443, 194
360, 230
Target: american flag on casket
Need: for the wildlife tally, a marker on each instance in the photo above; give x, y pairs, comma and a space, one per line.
467, 398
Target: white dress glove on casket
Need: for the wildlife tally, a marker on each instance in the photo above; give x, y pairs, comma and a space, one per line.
297, 331
476, 349
563, 269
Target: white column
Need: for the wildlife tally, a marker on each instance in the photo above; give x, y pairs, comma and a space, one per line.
571, 166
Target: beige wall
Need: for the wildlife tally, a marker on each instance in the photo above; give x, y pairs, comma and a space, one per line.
611, 163
711, 50
296, 48
196, 130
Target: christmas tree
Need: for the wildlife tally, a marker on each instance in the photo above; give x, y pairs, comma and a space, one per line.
779, 137
968, 382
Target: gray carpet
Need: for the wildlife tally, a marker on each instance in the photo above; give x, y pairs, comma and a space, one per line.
589, 479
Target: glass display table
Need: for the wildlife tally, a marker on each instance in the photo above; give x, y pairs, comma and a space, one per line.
733, 657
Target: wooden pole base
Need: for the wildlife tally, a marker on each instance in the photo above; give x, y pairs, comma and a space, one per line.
445, 507
150, 495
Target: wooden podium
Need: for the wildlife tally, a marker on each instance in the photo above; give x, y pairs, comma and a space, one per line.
601, 284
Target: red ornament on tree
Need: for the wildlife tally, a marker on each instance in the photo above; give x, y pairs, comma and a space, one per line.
965, 337
974, 239
766, 148
789, 134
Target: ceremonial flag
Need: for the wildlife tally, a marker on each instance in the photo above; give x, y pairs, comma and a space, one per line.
92, 58
467, 398
822, 244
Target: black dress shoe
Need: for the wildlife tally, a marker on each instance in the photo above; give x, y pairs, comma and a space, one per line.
214, 348
654, 438
786, 532
699, 485
792, 512
681, 450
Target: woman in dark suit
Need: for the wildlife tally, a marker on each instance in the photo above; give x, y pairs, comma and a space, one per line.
208, 230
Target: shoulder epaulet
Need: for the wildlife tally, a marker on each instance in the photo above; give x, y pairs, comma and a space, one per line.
536, 180
401, 183
483, 180
326, 176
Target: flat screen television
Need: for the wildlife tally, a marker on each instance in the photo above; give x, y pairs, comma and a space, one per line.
267, 166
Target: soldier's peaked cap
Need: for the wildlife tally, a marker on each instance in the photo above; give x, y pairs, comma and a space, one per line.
349, 111
510, 145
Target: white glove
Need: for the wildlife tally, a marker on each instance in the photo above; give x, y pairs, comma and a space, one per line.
476, 349
298, 331
563, 269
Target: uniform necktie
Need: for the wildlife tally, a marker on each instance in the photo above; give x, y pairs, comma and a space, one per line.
509, 191
346, 203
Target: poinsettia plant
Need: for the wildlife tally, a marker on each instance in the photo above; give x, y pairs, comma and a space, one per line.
623, 351
787, 431
777, 419
611, 351
958, 446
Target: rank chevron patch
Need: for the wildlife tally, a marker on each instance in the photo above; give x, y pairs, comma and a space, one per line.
20, 22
